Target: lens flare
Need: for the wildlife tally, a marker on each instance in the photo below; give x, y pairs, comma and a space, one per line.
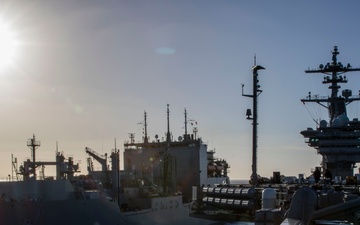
8, 45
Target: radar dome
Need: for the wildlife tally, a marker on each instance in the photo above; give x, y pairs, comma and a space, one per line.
344, 120
323, 123
336, 122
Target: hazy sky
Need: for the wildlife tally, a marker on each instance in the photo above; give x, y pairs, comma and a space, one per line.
85, 71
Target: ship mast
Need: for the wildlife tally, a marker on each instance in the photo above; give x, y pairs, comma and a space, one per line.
254, 96
168, 138
146, 141
33, 144
336, 105
185, 113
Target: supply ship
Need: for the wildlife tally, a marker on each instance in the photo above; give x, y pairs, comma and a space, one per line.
155, 188
329, 196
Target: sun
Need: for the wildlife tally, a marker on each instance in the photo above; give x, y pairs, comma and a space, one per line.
8, 45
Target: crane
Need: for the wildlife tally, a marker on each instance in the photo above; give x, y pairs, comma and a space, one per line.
102, 159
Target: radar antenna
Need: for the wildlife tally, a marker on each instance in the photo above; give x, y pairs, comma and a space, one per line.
333, 71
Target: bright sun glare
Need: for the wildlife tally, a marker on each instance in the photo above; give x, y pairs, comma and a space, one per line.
8, 45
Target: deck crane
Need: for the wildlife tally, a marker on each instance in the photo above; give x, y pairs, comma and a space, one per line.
102, 159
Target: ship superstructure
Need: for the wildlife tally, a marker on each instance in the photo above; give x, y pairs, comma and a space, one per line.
174, 166
337, 139
159, 180
65, 169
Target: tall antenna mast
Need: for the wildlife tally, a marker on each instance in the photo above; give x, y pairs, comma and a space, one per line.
254, 96
168, 138
185, 137
146, 141
33, 144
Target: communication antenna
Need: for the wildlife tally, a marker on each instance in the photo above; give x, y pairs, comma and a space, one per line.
146, 141
254, 96
33, 144
168, 137
185, 113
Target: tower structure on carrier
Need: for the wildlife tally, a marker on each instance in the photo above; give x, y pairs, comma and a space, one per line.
336, 140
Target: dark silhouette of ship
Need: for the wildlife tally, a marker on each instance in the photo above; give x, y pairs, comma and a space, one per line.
156, 186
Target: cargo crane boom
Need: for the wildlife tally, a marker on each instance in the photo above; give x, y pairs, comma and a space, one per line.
102, 159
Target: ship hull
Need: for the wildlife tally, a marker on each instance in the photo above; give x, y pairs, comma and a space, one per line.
91, 212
